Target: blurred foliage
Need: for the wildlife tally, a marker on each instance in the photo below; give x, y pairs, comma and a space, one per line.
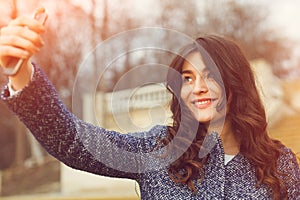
64, 39
246, 22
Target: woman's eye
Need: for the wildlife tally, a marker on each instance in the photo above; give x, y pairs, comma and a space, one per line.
187, 79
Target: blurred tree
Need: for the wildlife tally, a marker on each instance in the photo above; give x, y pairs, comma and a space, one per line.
125, 18
66, 39
100, 32
246, 22
116, 18
179, 15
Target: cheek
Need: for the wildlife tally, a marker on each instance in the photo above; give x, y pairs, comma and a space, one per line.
184, 93
216, 89
213, 86
222, 104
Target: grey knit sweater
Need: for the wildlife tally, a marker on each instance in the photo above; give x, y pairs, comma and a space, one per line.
96, 150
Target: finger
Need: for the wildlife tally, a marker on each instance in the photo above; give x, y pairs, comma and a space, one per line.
7, 35
19, 42
10, 51
28, 22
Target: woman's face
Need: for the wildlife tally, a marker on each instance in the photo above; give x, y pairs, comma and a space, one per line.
200, 92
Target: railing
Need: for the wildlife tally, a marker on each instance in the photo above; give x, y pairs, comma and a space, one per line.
138, 98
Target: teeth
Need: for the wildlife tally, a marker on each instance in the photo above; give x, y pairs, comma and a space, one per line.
202, 102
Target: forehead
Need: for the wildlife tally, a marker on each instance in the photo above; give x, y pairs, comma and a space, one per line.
194, 62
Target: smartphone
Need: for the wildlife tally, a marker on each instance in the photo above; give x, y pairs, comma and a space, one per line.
41, 16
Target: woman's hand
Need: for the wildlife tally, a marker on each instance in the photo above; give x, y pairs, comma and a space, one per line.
20, 39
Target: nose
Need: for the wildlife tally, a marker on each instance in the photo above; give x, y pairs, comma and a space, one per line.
200, 86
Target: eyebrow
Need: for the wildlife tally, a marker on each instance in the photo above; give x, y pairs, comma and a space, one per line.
187, 71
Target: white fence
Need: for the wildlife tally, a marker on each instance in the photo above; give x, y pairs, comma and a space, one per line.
120, 110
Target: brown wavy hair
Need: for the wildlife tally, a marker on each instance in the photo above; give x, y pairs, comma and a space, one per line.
246, 115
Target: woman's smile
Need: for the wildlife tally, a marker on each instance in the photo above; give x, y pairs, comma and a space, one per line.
203, 102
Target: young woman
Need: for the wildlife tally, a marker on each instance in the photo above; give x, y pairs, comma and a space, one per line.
216, 148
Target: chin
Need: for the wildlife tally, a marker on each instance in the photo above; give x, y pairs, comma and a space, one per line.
203, 119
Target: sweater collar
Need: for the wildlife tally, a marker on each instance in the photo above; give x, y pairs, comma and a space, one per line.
210, 142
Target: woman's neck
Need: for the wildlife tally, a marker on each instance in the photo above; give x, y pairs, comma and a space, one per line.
230, 142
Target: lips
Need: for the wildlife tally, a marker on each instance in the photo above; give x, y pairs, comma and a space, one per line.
203, 103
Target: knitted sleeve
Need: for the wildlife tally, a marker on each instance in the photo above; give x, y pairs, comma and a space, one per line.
78, 144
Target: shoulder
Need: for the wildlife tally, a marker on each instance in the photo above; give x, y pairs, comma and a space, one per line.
288, 164
158, 130
286, 156
289, 167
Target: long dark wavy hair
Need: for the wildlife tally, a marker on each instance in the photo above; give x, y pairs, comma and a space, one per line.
245, 113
